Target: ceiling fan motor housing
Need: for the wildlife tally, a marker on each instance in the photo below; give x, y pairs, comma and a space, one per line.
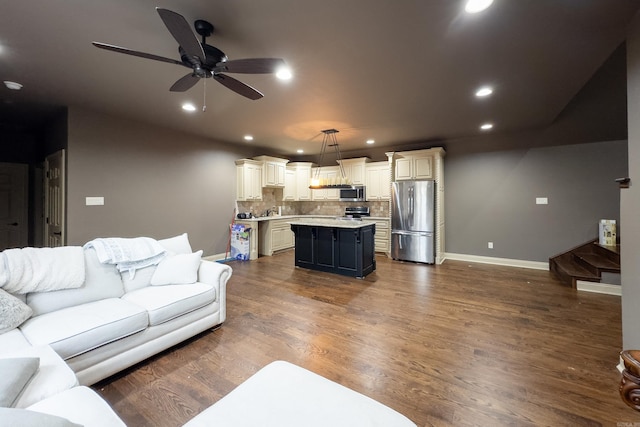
213, 56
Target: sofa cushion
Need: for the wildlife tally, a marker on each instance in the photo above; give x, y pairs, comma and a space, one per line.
177, 245
23, 418
75, 330
101, 281
53, 375
141, 278
12, 312
167, 302
12, 341
177, 269
81, 405
16, 374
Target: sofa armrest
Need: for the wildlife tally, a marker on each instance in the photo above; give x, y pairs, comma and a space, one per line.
216, 274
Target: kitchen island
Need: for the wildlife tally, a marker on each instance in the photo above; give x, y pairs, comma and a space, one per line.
343, 247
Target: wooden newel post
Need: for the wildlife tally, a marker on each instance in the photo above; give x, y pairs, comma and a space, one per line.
630, 381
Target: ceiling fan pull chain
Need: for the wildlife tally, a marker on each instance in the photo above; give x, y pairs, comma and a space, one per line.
204, 96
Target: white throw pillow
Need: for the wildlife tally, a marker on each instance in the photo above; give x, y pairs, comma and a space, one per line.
13, 312
177, 245
177, 269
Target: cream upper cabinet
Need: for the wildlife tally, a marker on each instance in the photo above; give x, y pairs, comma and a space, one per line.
378, 181
290, 185
273, 171
327, 174
414, 166
355, 169
303, 180
248, 180
296, 182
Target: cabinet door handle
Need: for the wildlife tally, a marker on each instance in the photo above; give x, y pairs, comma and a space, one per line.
15, 224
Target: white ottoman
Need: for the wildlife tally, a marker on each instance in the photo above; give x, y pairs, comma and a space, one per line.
282, 394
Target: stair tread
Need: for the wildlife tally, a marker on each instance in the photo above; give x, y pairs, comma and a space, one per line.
599, 262
612, 248
572, 268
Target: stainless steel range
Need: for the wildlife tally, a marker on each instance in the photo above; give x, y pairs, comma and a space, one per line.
355, 213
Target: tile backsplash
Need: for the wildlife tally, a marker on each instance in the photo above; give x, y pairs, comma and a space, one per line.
272, 199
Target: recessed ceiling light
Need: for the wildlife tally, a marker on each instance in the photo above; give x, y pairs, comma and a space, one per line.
284, 73
484, 91
299, 151
188, 107
370, 141
486, 126
12, 85
248, 138
475, 6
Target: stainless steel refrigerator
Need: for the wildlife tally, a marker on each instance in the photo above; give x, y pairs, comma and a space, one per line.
413, 221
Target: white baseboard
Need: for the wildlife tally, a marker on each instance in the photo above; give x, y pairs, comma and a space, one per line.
214, 257
599, 288
536, 265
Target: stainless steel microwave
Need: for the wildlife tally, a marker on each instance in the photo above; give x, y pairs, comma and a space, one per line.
356, 193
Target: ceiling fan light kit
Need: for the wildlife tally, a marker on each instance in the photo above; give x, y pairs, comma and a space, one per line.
12, 85
205, 61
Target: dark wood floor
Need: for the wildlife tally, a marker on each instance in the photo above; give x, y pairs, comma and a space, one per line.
459, 344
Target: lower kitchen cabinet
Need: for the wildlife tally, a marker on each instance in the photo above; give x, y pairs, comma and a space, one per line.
382, 240
275, 235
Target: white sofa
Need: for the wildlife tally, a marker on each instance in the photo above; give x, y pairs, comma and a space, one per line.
114, 321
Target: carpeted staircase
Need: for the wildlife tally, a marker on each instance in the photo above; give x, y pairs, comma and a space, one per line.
585, 262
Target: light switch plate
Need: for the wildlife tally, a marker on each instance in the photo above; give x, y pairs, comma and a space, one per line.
542, 201
94, 201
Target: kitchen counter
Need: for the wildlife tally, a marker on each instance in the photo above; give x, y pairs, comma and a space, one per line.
271, 234
268, 218
303, 217
331, 222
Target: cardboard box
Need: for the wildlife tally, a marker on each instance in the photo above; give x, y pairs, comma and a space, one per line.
607, 232
240, 239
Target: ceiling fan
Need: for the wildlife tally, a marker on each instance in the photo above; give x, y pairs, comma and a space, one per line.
204, 60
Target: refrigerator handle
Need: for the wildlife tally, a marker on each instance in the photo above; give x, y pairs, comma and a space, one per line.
400, 241
411, 207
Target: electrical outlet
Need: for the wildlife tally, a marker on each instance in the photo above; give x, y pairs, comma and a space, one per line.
490, 245
542, 201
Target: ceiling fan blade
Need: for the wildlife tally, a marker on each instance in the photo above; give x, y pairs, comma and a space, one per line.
185, 83
251, 65
181, 31
135, 53
238, 87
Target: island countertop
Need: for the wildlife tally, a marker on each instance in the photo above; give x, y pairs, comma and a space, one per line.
331, 222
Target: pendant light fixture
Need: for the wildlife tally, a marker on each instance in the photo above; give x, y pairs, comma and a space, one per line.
329, 140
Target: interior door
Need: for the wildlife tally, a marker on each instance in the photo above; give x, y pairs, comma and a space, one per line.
14, 179
55, 199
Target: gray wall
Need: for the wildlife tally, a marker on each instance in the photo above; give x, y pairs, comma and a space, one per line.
156, 182
491, 197
630, 203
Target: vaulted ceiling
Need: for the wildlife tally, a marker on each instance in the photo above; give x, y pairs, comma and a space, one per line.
396, 71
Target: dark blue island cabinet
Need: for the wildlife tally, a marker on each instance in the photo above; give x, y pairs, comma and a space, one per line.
335, 246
